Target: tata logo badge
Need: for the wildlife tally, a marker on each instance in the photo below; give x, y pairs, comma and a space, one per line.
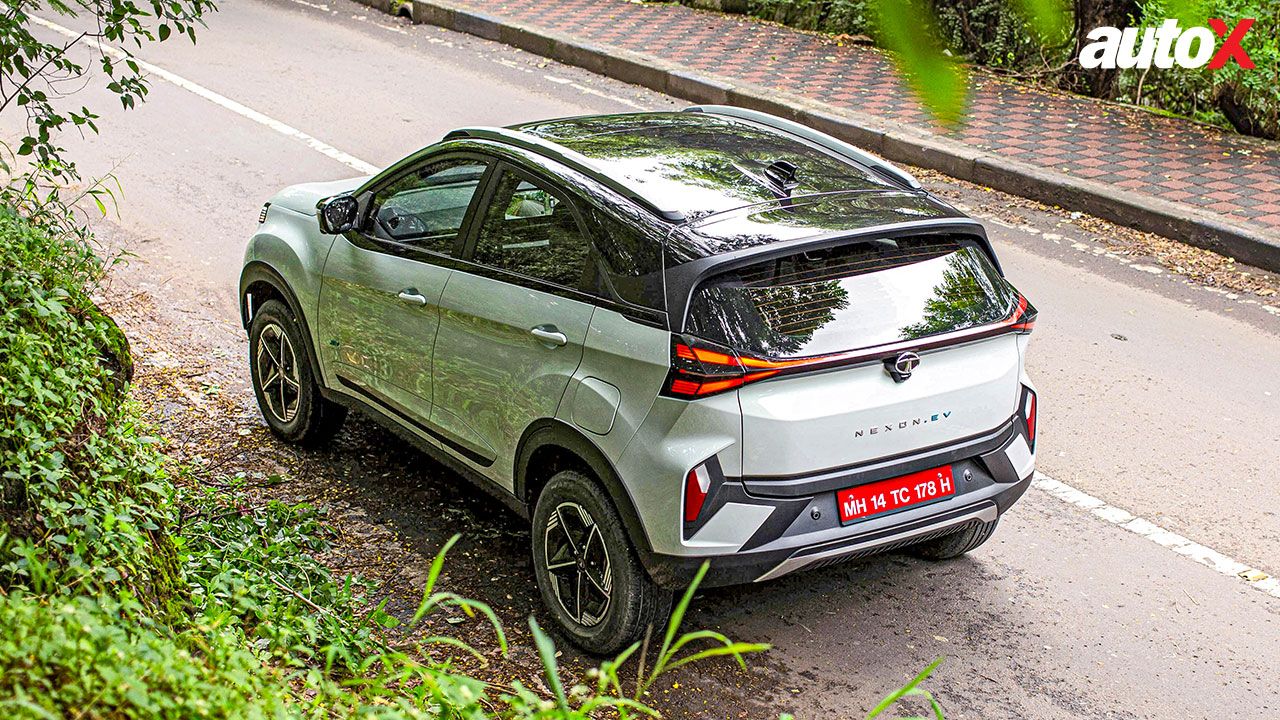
901, 367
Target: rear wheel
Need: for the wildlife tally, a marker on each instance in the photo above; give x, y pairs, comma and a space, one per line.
955, 544
589, 576
287, 393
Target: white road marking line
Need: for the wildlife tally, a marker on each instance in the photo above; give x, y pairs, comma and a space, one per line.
1120, 517
607, 96
593, 91
1116, 516
223, 101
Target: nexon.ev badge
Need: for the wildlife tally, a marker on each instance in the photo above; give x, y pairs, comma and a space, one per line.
1191, 47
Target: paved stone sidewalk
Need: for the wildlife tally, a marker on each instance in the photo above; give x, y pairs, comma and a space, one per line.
1232, 178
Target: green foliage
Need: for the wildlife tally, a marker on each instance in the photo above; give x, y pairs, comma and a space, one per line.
847, 17
85, 502
1248, 100
72, 656
992, 33
254, 570
1047, 18
940, 83
34, 72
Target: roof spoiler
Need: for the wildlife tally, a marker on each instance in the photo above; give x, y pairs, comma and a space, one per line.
681, 280
881, 167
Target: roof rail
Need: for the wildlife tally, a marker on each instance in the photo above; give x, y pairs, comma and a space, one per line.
564, 156
840, 147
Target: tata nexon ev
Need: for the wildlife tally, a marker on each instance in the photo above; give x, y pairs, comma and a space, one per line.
666, 338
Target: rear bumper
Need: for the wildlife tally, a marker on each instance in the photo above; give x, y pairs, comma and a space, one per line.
756, 528
875, 536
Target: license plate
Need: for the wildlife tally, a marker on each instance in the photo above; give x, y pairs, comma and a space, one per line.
885, 496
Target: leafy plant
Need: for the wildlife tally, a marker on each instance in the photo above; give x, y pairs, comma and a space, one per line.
1246, 99
911, 689
34, 72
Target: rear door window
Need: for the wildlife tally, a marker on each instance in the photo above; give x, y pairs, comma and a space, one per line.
851, 297
532, 230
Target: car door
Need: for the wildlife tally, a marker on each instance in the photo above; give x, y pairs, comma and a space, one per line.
512, 321
380, 293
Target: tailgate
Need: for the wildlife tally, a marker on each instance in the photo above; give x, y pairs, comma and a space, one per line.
800, 424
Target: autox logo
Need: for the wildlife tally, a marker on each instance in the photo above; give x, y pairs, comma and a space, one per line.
1191, 47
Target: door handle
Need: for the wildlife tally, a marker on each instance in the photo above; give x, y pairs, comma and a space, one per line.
549, 335
412, 296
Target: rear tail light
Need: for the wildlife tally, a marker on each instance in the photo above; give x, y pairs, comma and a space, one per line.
1029, 410
1024, 317
698, 370
696, 486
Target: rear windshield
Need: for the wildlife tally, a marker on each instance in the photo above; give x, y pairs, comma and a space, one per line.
851, 297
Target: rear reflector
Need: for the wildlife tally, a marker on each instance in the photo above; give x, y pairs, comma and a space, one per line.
1029, 409
696, 486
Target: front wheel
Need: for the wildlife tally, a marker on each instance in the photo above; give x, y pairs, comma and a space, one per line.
590, 578
287, 391
956, 544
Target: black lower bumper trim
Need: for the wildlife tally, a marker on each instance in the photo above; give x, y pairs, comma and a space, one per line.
675, 572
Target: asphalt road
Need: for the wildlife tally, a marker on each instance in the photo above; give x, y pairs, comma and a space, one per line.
1157, 395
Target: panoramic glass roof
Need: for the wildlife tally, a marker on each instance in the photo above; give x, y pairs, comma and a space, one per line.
697, 164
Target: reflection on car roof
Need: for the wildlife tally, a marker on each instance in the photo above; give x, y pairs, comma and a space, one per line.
698, 163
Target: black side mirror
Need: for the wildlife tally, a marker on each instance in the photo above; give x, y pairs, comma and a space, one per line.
338, 214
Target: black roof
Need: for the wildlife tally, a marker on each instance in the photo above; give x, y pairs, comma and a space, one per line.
696, 164
734, 179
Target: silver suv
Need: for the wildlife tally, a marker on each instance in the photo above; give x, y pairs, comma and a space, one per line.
667, 338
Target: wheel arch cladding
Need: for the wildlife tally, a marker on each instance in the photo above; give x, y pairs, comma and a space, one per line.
259, 282
549, 446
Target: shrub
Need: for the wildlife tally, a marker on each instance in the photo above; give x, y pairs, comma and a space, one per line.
85, 505
1249, 100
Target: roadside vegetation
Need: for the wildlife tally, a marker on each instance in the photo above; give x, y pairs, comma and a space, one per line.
133, 586
1039, 40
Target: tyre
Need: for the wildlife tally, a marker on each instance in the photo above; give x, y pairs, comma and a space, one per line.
956, 544
283, 382
590, 578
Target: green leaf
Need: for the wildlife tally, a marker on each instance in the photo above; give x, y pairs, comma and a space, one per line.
907, 689
1049, 19
940, 83
547, 652
737, 650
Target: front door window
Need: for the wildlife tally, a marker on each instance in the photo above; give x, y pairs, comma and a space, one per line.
426, 208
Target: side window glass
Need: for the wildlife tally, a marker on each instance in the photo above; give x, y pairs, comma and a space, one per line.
426, 207
632, 266
530, 230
